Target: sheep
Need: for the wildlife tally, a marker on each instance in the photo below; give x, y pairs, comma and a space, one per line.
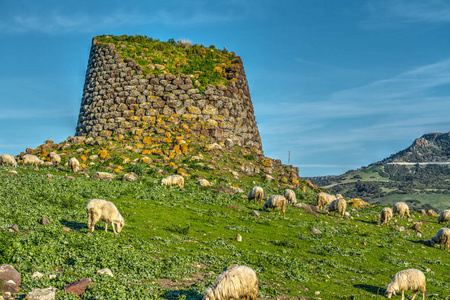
386, 216
442, 237
257, 193
290, 196
276, 201
173, 180
203, 182
339, 205
238, 282
31, 159
8, 159
401, 208
55, 158
98, 209
407, 280
444, 216
74, 164
324, 199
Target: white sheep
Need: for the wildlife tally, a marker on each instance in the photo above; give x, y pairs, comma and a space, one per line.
8, 159
173, 180
31, 159
238, 282
98, 209
276, 201
401, 208
203, 182
290, 196
444, 216
55, 158
74, 164
442, 237
324, 199
407, 280
339, 205
386, 215
257, 193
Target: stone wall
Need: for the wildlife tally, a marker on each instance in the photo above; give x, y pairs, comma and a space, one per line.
118, 99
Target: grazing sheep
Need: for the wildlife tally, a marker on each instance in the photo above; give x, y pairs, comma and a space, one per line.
98, 209
324, 199
204, 182
401, 208
442, 237
276, 201
31, 159
444, 216
386, 216
173, 180
407, 280
339, 205
257, 193
8, 159
55, 158
74, 164
290, 196
238, 282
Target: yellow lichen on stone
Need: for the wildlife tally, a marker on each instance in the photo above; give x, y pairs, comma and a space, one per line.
294, 181
182, 172
147, 151
172, 165
83, 166
304, 189
146, 160
194, 110
83, 157
117, 171
139, 145
356, 202
103, 154
184, 147
147, 140
284, 180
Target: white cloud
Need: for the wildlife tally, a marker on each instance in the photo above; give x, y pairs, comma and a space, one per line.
384, 14
57, 20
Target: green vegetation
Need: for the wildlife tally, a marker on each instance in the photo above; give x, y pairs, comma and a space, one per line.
176, 241
207, 64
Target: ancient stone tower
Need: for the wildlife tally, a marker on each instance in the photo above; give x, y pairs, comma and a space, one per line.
123, 94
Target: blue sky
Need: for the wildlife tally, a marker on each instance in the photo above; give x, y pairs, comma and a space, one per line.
338, 84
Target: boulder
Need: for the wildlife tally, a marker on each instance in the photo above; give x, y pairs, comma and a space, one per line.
130, 177
78, 287
106, 271
42, 294
103, 175
10, 279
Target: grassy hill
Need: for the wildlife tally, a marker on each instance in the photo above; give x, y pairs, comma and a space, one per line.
176, 241
419, 175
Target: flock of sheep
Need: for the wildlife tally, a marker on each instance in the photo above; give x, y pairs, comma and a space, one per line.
241, 281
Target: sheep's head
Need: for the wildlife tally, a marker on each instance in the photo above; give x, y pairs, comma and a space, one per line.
209, 295
120, 224
391, 290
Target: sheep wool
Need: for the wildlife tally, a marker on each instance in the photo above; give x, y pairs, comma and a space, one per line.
257, 193
444, 216
401, 208
407, 280
74, 164
98, 209
55, 158
8, 159
173, 180
276, 201
386, 215
442, 237
204, 182
238, 282
290, 196
324, 199
339, 205
31, 159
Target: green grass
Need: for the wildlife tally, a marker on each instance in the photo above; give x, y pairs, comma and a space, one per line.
438, 201
176, 241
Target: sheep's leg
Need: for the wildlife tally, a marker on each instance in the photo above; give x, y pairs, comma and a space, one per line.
94, 219
414, 296
106, 226
112, 224
423, 295
403, 295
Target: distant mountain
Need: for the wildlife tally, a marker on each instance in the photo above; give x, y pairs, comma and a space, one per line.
431, 147
420, 175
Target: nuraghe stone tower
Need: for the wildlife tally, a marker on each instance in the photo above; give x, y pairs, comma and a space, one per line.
120, 98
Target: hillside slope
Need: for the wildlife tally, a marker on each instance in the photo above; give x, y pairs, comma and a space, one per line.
419, 175
176, 241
